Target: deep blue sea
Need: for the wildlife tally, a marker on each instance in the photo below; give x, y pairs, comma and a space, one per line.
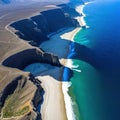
95, 90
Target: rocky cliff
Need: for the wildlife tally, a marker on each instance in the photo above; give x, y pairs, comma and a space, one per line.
35, 29
20, 92
26, 57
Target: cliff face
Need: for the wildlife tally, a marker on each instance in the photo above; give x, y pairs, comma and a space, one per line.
56, 19
28, 30
17, 96
26, 57
35, 29
20, 92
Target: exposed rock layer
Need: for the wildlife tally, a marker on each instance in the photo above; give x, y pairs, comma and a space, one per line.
35, 29
17, 88
18, 91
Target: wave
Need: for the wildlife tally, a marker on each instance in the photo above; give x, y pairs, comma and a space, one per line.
68, 101
87, 27
77, 70
70, 64
65, 86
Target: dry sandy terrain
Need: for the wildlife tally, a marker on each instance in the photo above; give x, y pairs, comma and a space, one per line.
53, 107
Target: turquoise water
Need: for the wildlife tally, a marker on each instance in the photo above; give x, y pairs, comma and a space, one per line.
96, 89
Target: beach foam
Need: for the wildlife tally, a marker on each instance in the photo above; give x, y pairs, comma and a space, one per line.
87, 27
48, 46
68, 101
69, 63
77, 70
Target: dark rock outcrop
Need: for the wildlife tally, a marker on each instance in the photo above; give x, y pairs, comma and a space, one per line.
35, 29
26, 57
41, 23
20, 91
71, 11
58, 21
26, 29
20, 88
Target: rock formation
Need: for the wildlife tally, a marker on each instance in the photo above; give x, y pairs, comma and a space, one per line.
35, 29
20, 92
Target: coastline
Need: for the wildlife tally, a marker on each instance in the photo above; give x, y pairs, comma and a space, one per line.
81, 21
56, 106
72, 105
68, 100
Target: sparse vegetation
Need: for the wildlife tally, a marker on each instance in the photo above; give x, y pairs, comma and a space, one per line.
22, 111
10, 106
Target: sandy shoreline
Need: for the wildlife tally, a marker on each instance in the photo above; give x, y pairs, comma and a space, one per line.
81, 21
53, 107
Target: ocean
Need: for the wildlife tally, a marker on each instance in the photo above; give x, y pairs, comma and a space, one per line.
95, 82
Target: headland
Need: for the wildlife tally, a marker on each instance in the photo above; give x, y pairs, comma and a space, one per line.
25, 39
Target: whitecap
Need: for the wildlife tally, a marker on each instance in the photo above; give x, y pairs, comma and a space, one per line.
68, 101
77, 70
70, 64
87, 27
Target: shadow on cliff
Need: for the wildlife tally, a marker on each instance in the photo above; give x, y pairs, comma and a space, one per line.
26, 57
35, 29
71, 11
29, 31
29, 56
42, 69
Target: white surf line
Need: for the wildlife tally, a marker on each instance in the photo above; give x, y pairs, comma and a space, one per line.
65, 85
71, 66
80, 19
65, 88
68, 101
77, 70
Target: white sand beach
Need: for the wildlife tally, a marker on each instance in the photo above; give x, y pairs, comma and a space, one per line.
80, 19
53, 107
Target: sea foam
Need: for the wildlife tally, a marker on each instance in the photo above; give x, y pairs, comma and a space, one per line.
68, 101
70, 65
77, 70
65, 86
